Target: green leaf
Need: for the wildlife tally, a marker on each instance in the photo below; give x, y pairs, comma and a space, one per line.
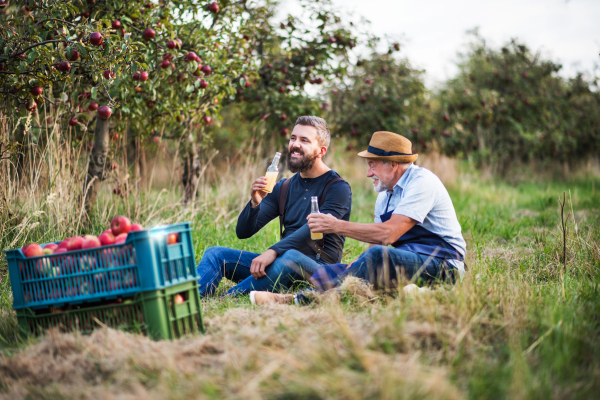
82, 49
94, 92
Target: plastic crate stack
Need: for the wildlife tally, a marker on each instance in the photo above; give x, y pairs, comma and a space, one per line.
143, 285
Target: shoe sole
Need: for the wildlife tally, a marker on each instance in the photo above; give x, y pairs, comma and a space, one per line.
252, 297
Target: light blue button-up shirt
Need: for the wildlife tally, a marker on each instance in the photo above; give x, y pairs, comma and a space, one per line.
421, 196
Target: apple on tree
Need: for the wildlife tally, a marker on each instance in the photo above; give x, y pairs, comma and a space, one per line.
64, 66
104, 112
36, 90
149, 34
96, 38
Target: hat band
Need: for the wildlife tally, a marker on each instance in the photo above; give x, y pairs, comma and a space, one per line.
383, 153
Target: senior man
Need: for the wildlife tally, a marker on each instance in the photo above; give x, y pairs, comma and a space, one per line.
413, 213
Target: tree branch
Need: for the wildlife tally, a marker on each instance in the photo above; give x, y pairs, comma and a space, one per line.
13, 55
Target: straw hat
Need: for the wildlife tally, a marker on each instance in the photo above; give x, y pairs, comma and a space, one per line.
389, 146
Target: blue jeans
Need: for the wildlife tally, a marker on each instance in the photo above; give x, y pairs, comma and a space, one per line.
220, 262
385, 267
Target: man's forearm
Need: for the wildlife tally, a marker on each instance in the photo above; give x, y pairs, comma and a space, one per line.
368, 233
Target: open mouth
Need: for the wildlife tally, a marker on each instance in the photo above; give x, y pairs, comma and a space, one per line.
296, 153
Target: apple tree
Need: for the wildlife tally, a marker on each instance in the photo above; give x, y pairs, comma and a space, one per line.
510, 105
144, 63
382, 92
291, 56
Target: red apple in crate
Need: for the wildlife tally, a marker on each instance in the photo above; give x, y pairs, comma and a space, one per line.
107, 238
33, 250
120, 239
60, 250
120, 224
75, 243
172, 238
51, 246
43, 267
178, 299
90, 241
136, 227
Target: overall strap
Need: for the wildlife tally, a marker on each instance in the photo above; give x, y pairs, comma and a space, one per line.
282, 198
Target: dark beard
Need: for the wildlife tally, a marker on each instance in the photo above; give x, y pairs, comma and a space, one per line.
302, 165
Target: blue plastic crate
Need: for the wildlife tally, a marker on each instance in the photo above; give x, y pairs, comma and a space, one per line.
144, 262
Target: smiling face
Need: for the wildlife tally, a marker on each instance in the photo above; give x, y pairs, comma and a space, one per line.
304, 148
384, 175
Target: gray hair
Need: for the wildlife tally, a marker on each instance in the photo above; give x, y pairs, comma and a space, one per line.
323, 134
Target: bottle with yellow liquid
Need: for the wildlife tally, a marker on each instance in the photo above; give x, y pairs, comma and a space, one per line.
272, 173
314, 208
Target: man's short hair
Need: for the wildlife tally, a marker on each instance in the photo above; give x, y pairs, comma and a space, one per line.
323, 135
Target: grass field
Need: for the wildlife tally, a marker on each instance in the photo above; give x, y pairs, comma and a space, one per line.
521, 324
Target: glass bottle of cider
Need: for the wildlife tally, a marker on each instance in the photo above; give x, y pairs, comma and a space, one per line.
314, 208
272, 173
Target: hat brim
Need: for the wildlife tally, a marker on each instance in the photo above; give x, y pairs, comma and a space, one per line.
401, 159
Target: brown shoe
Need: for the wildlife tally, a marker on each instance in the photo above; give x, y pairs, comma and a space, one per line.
261, 298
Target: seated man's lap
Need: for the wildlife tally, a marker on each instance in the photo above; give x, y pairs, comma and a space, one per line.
233, 264
385, 266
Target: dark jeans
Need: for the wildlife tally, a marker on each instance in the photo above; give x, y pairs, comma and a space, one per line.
220, 262
386, 267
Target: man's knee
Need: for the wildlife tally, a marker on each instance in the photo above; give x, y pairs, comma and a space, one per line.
213, 256
290, 262
373, 255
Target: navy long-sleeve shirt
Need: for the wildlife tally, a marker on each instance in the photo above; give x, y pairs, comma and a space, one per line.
337, 202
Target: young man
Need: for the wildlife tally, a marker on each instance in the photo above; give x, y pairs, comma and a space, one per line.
413, 213
295, 256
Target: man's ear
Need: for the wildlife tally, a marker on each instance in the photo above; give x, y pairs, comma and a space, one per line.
323, 151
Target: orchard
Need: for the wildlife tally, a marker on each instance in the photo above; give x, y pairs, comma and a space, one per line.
137, 69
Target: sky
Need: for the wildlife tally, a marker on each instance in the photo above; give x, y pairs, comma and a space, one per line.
434, 31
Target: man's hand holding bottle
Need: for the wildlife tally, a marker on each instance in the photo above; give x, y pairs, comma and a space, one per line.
257, 193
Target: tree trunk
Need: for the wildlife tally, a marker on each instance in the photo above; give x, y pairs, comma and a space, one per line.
191, 170
97, 163
136, 156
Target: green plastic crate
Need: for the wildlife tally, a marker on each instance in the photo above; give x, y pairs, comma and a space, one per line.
153, 313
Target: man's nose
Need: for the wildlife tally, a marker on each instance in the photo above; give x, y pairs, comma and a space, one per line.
370, 173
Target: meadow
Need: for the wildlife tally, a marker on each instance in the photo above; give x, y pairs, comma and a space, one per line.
522, 324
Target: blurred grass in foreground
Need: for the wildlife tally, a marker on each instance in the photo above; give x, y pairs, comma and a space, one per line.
517, 326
